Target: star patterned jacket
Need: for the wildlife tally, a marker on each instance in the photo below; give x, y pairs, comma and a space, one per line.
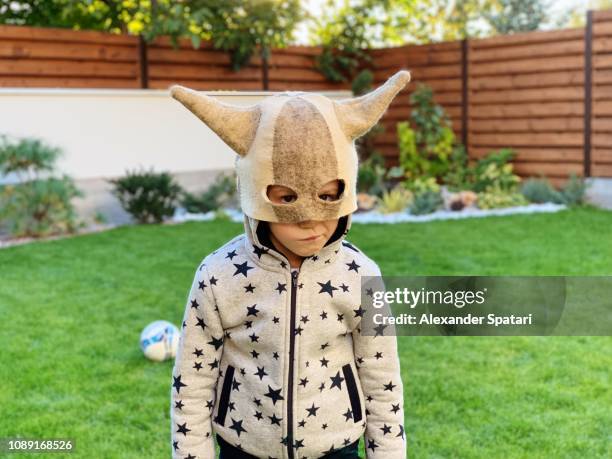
272, 359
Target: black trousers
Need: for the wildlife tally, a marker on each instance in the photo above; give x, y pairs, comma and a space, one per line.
227, 451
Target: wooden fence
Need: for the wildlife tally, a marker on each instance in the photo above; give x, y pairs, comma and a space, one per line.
548, 95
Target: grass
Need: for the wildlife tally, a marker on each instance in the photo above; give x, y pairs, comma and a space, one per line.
72, 311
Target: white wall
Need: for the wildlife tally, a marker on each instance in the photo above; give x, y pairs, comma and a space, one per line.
104, 132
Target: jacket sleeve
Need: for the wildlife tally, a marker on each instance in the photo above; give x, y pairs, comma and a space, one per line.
378, 366
195, 372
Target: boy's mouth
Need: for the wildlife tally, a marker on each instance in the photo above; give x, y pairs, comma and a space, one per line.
311, 238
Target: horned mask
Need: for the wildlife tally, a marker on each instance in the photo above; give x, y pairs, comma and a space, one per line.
301, 140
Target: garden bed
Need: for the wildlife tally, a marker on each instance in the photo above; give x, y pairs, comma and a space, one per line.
396, 217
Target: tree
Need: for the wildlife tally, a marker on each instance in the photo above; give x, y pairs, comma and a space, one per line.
510, 16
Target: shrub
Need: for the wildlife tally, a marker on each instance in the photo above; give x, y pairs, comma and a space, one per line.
371, 175
147, 196
35, 206
495, 198
495, 172
574, 191
421, 184
539, 190
221, 192
395, 200
426, 202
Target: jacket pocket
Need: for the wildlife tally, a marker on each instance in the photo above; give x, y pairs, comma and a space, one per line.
225, 395
353, 391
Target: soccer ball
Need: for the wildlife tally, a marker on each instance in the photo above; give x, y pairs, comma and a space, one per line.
159, 340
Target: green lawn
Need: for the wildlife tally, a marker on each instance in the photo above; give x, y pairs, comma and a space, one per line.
72, 311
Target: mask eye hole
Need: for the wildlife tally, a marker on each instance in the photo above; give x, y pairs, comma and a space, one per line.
281, 194
332, 191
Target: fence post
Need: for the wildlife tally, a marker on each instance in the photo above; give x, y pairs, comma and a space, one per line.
464, 93
588, 87
264, 69
143, 63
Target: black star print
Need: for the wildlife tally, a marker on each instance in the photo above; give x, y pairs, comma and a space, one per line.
175, 445
257, 401
258, 415
321, 387
261, 372
254, 353
401, 431
274, 395
231, 255
348, 415
259, 251
275, 355
182, 428
298, 444
303, 382
201, 323
179, 404
327, 287
283, 264
214, 364
213, 280
237, 426
344, 287
378, 355
324, 362
190, 456
340, 317
198, 352
248, 323
194, 304
249, 288
217, 342
359, 311
323, 315
298, 330
353, 266
386, 429
369, 292
372, 444
379, 329
254, 338
252, 310
242, 268
305, 319
198, 366
323, 346
395, 408
312, 411
235, 385
337, 381
302, 423
201, 285
275, 420
281, 288
347, 441
178, 384
210, 404
389, 386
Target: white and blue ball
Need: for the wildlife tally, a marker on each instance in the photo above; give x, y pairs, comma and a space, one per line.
159, 340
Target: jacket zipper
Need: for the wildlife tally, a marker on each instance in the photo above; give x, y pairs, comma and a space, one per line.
294, 275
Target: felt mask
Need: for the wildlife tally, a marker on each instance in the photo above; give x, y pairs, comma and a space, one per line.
301, 140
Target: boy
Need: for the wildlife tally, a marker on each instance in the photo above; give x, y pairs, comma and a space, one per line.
271, 359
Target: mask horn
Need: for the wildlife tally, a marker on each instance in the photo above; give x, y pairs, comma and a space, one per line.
236, 125
358, 115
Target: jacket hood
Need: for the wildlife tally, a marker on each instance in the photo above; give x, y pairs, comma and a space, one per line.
264, 253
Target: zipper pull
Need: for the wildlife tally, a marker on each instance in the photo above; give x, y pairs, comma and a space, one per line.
294, 278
